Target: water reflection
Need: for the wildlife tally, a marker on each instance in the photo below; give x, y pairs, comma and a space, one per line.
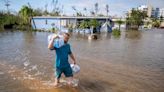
133, 34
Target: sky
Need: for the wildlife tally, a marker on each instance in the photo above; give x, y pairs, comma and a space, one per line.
116, 7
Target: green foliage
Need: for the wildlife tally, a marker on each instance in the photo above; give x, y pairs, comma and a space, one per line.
155, 22
89, 23
56, 13
136, 18
161, 19
94, 23
54, 30
101, 15
119, 22
37, 12
84, 24
7, 19
116, 32
25, 14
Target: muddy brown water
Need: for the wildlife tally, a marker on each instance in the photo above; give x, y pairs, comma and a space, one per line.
133, 62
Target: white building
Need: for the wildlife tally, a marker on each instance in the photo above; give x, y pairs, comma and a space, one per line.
152, 12
161, 12
143, 8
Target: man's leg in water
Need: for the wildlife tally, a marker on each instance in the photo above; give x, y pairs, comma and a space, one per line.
69, 75
57, 76
56, 81
69, 79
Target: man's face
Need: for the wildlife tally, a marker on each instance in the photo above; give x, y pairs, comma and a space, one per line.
66, 38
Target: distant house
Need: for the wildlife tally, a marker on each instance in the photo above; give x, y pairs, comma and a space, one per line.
49, 22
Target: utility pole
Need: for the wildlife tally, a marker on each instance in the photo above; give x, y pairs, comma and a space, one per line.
54, 4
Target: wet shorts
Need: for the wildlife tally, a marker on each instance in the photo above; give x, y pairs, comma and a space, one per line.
66, 70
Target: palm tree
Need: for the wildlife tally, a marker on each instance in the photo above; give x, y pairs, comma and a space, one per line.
92, 13
107, 9
78, 13
85, 10
54, 4
96, 8
74, 8
7, 5
45, 12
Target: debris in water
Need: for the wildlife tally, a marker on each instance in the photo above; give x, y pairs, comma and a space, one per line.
34, 67
27, 63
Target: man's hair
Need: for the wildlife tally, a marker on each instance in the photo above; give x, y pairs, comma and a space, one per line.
67, 34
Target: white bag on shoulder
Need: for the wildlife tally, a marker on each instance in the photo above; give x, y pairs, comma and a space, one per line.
58, 42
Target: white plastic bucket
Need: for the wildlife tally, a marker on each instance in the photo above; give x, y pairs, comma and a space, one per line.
75, 68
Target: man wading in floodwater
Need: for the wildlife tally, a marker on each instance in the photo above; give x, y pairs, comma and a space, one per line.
62, 53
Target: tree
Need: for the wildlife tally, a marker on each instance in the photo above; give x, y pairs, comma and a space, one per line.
9, 20
54, 4
85, 11
119, 22
107, 9
84, 24
96, 8
136, 18
92, 13
77, 12
161, 18
56, 10
38, 12
25, 14
45, 11
94, 23
7, 5
155, 22
100, 15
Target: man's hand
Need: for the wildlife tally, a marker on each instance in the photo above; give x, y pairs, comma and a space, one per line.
73, 58
50, 45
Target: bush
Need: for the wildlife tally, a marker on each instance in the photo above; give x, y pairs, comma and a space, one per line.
116, 32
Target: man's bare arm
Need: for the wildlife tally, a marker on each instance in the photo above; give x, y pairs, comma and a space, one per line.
50, 45
73, 58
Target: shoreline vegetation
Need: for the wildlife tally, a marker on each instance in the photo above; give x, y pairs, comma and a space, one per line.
22, 20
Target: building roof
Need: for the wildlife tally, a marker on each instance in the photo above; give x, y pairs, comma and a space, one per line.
72, 17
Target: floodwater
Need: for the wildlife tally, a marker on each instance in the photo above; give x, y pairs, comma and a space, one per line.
133, 62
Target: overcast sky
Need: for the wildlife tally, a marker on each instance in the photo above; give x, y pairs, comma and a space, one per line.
116, 7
